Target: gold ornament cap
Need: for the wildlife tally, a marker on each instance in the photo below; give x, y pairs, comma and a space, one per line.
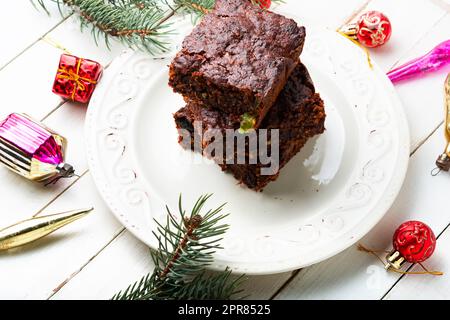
350, 30
394, 260
443, 162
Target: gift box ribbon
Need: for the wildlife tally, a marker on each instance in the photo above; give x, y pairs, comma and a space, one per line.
64, 73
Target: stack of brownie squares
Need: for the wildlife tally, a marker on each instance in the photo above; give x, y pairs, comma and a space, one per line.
242, 62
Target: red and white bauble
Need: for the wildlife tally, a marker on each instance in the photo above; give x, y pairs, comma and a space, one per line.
373, 29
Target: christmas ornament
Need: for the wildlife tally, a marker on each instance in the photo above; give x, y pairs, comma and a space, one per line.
372, 29
32, 150
413, 242
443, 161
265, 4
35, 228
76, 78
432, 61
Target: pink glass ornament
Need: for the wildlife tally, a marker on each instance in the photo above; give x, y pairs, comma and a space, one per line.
432, 61
32, 150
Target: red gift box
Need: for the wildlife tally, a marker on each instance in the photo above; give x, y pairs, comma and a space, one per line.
76, 78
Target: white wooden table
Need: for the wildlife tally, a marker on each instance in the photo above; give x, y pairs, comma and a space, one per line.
95, 257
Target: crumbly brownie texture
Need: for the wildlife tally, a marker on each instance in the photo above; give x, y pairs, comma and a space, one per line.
238, 59
298, 114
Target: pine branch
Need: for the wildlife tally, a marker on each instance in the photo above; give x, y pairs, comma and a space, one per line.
139, 24
185, 249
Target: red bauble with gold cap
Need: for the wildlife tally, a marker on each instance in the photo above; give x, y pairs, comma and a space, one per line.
415, 241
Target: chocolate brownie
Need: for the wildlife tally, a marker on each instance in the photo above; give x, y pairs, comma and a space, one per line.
238, 59
298, 113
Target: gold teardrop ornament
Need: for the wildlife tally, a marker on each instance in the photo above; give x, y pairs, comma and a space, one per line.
36, 228
443, 161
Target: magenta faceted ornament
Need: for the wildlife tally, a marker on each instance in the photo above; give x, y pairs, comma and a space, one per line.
432, 61
32, 150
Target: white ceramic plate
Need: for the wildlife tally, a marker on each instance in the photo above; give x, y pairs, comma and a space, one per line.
327, 198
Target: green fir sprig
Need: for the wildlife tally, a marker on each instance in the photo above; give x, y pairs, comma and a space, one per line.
140, 24
185, 249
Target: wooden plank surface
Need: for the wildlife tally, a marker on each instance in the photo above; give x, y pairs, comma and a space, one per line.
22, 25
94, 257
